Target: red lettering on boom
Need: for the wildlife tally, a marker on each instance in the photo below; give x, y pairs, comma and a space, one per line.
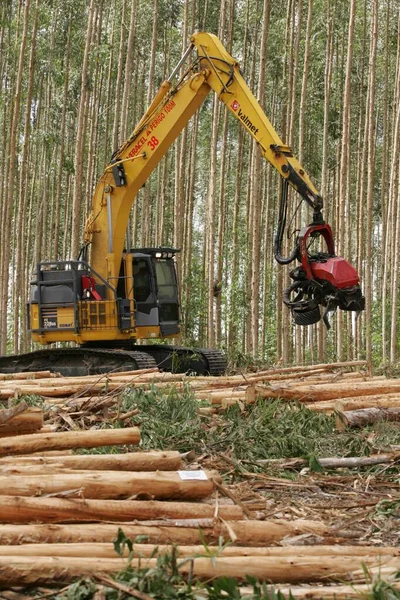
170, 106
157, 121
136, 148
153, 125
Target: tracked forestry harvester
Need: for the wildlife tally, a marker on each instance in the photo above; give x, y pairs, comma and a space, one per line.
112, 296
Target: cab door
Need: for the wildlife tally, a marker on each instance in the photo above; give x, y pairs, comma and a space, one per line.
167, 295
144, 293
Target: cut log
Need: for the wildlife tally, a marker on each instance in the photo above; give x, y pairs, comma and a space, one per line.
28, 444
305, 393
246, 533
22, 509
365, 416
103, 550
324, 379
27, 421
206, 411
246, 377
16, 570
101, 532
326, 366
228, 398
145, 375
131, 461
49, 391
21, 432
27, 375
8, 413
215, 397
317, 377
358, 402
226, 402
136, 373
110, 484
77, 403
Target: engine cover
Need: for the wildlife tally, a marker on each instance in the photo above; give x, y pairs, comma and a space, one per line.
336, 270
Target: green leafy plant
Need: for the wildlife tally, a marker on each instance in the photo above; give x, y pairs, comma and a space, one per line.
29, 399
169, 418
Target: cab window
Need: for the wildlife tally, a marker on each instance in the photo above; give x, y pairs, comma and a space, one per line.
141, 280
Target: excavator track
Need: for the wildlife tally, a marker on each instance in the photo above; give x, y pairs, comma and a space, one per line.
81, 361
177, 359
77, 362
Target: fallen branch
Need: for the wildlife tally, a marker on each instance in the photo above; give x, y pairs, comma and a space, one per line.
333, 462
226, 492
122, 588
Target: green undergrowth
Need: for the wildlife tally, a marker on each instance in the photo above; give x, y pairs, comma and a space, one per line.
29, 399
170, 420
164, 582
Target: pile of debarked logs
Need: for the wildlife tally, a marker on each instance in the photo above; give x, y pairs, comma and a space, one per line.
65, 496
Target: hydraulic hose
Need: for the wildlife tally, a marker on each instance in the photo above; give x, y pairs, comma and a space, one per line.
282, 260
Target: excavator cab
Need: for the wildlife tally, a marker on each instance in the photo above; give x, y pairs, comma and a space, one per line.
155, 291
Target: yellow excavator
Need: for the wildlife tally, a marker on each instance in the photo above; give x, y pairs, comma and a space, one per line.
112, 295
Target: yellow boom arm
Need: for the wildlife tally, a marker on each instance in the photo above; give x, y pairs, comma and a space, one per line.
214, 69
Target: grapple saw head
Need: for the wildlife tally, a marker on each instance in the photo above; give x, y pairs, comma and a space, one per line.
322, 279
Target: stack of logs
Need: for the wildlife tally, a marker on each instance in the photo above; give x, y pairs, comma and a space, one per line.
61, 512
356, 397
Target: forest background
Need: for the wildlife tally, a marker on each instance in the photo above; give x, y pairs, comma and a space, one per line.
77, 75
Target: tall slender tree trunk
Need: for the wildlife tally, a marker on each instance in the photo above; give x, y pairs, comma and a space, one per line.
301, 331
345, 162
371, 180
20, 282
329, 49
11, 181
210, 229
80, 140
121, 18
392, 208
125, 125
233, 317
256, 193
